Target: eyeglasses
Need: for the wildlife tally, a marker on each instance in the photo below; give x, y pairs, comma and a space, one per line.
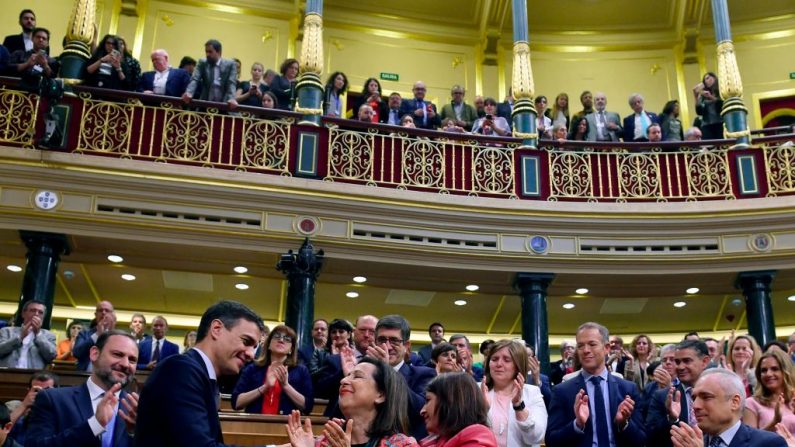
282, 337
394, 341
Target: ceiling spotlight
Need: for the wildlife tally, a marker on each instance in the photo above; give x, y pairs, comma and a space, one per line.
14, 268
359, 279
115, 258
581, 291
241, 286
692, 290
791, 298
240, 269
128, 277
352, 294
568, 306
680, 304
460, 302
473, 287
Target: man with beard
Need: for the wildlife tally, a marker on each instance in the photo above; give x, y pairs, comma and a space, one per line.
97, 413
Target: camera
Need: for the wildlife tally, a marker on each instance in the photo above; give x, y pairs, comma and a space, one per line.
489, 117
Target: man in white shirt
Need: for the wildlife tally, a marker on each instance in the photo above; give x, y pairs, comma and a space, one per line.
28, 346
96, 413
636, 125
164, 80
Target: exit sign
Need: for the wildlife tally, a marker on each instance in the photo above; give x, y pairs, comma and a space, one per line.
395, 77
791, 75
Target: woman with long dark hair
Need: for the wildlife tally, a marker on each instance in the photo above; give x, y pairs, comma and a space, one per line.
336, 86
670, 123
709, 105
372, 95
456, 413
104, 68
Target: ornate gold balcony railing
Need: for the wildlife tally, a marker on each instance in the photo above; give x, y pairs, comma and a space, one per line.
18, 112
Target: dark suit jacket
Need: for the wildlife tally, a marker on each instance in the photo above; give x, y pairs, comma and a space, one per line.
408, 106
177, 407
178, 80
556, 372
750, 437
167, 349
629, 125
504, 110
201, 80
60, 418
15, 42
424, 355
305, 354
560, 426
253, 376
657, 426
327, 383
83, 345
417, 379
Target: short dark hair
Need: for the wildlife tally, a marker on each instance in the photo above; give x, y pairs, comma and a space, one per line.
338, 324
26, 11
490, 100
286, 64
103, 339
696, 345
229, 313
435, 323
779, 343
457, 336
391, 415
485, 346
330, 82
186, 60
459, 403
440, 349
215, 44
43, 376
690, 334
28, 303
395, 322
138, 315
40, 30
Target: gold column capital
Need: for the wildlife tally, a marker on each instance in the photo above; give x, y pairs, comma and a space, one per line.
522, 82
729, 81
312, 45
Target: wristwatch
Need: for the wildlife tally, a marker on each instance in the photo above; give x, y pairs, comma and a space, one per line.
519, 407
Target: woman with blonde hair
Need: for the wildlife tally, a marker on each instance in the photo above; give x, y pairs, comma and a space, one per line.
773, 399
743, 355
641, 353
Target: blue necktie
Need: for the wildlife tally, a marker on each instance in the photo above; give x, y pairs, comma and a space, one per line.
602, 434
644, 124
107, 437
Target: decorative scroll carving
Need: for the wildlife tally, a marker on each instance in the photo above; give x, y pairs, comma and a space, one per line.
312, 46
105, 127
350, 155
709, 174
186, 135
17, 116
522, 85
728, 72
780, 161
638, 176
571, 174
492, 170
265, 145
423, 164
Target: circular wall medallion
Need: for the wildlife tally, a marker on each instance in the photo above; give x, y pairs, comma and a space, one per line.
307, 225
46, 200
539, 244
761, 242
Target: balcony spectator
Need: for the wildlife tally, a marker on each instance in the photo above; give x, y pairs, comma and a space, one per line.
249, 93
188, 64
559, 132
579, 130
34, 65
283, 85
586, 99
543, 123
393, 109
24, 41
462, 114
275, 383
4, 58
129, 65
365, 113
424, 112
238, 66
670, 123
448, 125
708, 106
637, 123
479, 106
267, 78
336, 85
216, 76
104, 68
491, 124
693, 134
163, 80
407, 121
603, 125
560, 111
28, 346
505, 108
654, 133
269, 100
371, 95
67, 345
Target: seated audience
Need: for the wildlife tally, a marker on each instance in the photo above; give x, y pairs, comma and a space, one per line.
669, 120
40, 380
373, 399
448, 125
718, 400
543, 122
465, 358
742, 357
371, 95
423, 111
249, 93
693, 134
407, 121
505, 108
156, 348
34, 65
491, 124
214, 79
339, 337
392, 115
188, 64
436, 333
24, 41
66, 346
709, 105
104, 68
138, 327
163, 80
238, 66
444, 358
516, 409
462, 114
130, 66
283, 85
105, 320
189, 341
365, 113
774, 398
28, 346
269, 100
275, 383
451, 424
641, 354
579, 130
336, 86
635, 125
99, 410
559, 132
560, 111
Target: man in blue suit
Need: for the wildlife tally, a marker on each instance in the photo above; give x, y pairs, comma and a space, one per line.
156, 348
96, 413
436, 332
595, 408
163, 80
104, 321
719, 401
637, 123
180, 401
423, 111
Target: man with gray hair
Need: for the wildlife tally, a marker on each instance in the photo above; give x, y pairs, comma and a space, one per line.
693, 134
636, 124
163, 80
594, 408
461, 113
719, 400
28, 346
563, 366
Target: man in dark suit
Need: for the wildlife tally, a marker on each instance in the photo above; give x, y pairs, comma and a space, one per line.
104, 321
215, 78
96, 413
436, 332
179, 402
156, 348
319, 336
392, 341
423, 111
536, 377
505, 108
24, 41
611, 420
671, 406
163, 80
563, 366
719, 402
637, 123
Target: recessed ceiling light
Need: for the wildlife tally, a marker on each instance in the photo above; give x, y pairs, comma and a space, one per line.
115, 258
692, 290
680, 304
240, 269
352, 294
568, 306
128, 277
14, 268
473, 287
359, 279
791, 298
460, 302
581, 291
241, 286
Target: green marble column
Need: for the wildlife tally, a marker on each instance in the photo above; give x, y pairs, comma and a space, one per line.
759, 311
79, 33
301, 270
44, 254
532, 288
